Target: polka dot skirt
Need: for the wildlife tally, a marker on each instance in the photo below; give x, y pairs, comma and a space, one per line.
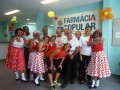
98, 65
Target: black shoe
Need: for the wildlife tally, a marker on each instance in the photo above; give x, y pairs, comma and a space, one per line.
72, 81
89, 82
17, 79
64, 85
91, 86
25, 81
96, 86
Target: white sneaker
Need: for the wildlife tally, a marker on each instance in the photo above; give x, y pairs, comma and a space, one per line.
97, 83
17, 76
42, 79
93, 84
36, 82
56, 83
23, 77
52, 87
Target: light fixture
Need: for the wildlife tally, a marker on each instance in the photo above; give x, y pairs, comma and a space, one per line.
12, 12
47, 1
28, 19
32, 23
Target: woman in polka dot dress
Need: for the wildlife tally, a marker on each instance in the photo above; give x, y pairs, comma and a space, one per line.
98, 66
15, 57
33, 48
39, 65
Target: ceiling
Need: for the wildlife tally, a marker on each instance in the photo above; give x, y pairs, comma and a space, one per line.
31, 8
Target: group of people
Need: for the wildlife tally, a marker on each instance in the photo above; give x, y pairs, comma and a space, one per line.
61, 55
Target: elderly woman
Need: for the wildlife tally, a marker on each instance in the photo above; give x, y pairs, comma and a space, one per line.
33, 48
38, 64
15, 57
98, 66
52, 43
55, 57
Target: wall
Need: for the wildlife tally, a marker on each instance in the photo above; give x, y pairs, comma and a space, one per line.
114, 51
3, 50
4, 39
4, 36
40, 20
51, 30
111, 51
32, 28
3, 46
85, 8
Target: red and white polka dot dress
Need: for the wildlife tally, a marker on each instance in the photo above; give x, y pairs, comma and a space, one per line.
38, 65
32, 57
98, 65
15, 59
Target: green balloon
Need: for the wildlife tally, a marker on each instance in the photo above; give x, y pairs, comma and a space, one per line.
13, 20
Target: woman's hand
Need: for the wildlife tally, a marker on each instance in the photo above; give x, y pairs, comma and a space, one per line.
51, 66
71, 57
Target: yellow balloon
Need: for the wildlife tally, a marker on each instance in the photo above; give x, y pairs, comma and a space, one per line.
105, 13
51, 14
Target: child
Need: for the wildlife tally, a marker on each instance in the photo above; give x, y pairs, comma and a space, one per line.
98, 66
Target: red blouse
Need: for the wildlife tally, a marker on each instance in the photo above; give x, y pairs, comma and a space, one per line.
97, 47
44, 46
35, 47
62, 53
51, 46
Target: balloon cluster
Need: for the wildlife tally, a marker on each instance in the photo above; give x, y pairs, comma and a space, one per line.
51, 14
106, 14
12, 23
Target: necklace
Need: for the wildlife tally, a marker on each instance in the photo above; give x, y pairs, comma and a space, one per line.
19, 39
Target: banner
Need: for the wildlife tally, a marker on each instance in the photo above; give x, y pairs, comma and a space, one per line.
79, 21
